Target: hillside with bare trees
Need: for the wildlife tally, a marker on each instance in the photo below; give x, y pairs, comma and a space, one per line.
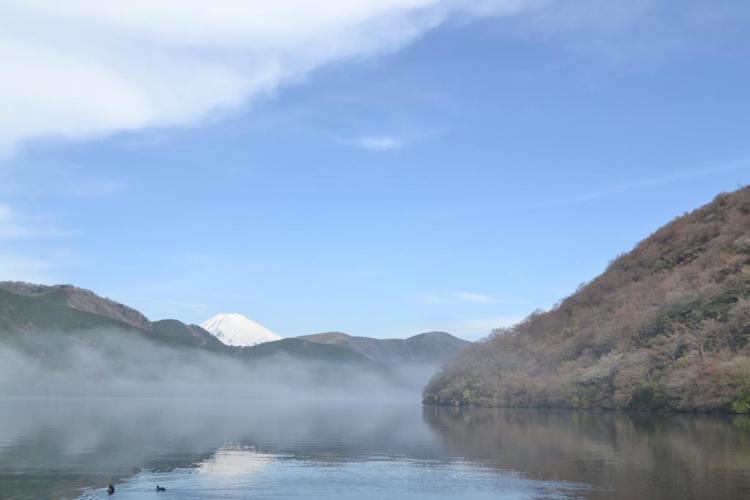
666, 326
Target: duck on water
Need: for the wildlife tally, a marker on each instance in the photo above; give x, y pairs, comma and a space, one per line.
111, 489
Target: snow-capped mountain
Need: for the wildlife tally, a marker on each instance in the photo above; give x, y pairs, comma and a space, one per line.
237, 330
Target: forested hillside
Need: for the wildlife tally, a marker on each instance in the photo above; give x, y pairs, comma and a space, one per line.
666, 326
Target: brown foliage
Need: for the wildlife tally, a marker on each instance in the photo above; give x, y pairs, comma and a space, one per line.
667, 325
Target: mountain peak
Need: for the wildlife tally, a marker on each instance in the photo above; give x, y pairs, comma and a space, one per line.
237, 330
435, 335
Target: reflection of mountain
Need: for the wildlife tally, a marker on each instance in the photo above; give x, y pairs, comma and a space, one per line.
622, 456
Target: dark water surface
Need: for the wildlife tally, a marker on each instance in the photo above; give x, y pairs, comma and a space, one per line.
73, 448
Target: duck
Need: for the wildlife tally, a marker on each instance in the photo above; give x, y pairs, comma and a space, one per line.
160, 488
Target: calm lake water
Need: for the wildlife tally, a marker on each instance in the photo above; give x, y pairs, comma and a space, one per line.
73, 448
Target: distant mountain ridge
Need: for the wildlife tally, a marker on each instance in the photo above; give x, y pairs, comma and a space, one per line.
430, 347
41, 320
303, 349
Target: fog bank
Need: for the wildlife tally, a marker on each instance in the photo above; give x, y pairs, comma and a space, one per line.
121, 364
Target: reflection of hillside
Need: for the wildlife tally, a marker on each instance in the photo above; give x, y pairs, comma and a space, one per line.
49, 449
622, 456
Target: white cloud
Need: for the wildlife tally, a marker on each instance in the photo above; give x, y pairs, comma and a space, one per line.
377, 142
462, 296
79, 69
388, 142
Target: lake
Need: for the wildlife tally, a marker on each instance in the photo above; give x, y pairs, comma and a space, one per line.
73, 448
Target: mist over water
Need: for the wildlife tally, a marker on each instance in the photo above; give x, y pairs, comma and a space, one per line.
115, 363
239, 448
236, 449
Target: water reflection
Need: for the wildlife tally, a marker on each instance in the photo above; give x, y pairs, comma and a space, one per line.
78, 442
620, 455
242, 449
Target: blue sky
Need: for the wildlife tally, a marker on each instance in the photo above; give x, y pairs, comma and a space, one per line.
456, 174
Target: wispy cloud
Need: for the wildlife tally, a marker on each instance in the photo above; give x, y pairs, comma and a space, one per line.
377, 143
658, 181
391, 141
462, 296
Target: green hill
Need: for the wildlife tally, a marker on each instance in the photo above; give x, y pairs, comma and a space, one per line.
79, 299
302, 349
44, 319
425, 348
666, 326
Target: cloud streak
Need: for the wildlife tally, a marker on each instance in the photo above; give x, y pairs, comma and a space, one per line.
664, 180
377, 143
462, 296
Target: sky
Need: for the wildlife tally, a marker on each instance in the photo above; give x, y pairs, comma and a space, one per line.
381, 168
